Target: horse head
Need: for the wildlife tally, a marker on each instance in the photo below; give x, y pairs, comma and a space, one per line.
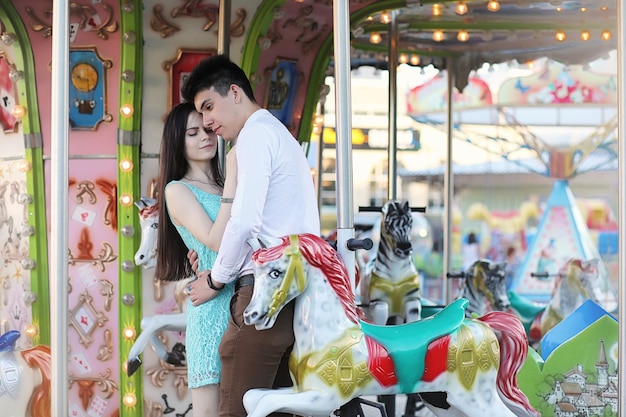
279, 278
580, 278
489, 280
149, 221
397, 223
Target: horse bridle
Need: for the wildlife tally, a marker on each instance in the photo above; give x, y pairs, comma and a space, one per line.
295, 269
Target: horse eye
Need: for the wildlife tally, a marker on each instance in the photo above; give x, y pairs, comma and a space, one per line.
154, 225
274, 274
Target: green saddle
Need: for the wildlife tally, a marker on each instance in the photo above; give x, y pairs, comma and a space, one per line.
526, 309
407, 343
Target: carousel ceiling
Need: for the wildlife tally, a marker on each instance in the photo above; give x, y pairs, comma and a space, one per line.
476, 32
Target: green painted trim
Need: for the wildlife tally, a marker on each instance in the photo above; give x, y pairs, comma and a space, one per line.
38, 246
129, 283
260, 23
131, 58
35, 185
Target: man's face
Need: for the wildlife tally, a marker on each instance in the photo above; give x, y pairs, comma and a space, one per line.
219, 112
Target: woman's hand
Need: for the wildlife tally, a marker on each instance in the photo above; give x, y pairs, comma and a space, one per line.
199, 291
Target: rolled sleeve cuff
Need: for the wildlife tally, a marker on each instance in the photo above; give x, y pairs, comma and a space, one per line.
224, 275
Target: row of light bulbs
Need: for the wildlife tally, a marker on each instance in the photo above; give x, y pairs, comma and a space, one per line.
494, 5
464, 35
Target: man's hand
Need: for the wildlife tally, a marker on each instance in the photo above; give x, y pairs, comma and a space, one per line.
192, 257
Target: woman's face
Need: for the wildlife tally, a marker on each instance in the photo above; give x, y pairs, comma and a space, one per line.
200, 143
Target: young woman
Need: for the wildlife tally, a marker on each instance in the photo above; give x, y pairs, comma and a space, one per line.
195, 201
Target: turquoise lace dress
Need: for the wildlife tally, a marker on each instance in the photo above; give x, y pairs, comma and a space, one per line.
207, 322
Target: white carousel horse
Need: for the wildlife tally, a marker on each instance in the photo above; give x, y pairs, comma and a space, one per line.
25, 388
576, 281
460, 366
152, 325
390, 284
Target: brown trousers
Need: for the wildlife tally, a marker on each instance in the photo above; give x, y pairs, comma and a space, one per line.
253, 358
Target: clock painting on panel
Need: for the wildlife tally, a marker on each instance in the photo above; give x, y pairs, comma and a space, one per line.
88, 89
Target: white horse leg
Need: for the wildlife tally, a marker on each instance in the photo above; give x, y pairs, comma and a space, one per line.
412, 310
150, 326
262, 402
379, 312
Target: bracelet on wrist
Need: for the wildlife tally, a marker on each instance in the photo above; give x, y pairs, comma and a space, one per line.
227, 200
211, 285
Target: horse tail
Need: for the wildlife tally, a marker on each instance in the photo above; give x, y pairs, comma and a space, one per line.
41, 398
513, 352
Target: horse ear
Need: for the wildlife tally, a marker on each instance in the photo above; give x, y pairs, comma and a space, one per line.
140, 204
149, 201
268, 241
405, 206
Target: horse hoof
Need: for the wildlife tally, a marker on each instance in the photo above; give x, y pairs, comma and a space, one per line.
173, 359
132, 366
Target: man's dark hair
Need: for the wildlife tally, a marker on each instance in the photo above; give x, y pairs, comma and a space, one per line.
217, 72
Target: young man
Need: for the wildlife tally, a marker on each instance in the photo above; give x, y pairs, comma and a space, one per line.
275, 196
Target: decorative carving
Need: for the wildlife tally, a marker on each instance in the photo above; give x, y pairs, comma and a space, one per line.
110, 212
85, 318
159, 374
107, 291
86, 187
159, 24
87, 20
105, 351
85, 246
105, 383
195, 8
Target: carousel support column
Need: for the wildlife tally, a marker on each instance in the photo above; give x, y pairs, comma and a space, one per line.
392, 161
223, 47
129, 189
59, 207
343, 126
621, 50
448, 186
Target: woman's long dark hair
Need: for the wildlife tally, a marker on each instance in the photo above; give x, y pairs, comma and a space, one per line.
172, 263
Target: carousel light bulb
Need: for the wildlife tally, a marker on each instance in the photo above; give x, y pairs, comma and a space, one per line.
585, 35
415, 60
560, 36
24, 166
606, 35
129, 333
438, 35
18, 111
462, 36
385, 17
126, 200
493, 5
583, 9
403, 58
126, 165
375, 38
31, 330
461, 8
437, 9
127, 110
130, 400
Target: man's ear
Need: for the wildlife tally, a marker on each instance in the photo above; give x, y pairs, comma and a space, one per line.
234, 88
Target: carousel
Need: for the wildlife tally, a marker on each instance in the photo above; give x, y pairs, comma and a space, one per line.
87, 331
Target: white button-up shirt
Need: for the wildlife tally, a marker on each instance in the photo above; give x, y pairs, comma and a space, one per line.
275, 194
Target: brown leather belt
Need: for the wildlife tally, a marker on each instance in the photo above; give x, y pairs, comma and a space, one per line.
244, 281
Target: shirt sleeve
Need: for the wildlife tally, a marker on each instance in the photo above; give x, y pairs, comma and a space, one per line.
254, 168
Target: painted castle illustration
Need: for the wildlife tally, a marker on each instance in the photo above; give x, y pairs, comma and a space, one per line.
574, 397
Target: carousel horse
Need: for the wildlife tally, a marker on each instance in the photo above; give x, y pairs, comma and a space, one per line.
152, 325
25, 379
390, 286
460, 366
484, 286
576, 281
